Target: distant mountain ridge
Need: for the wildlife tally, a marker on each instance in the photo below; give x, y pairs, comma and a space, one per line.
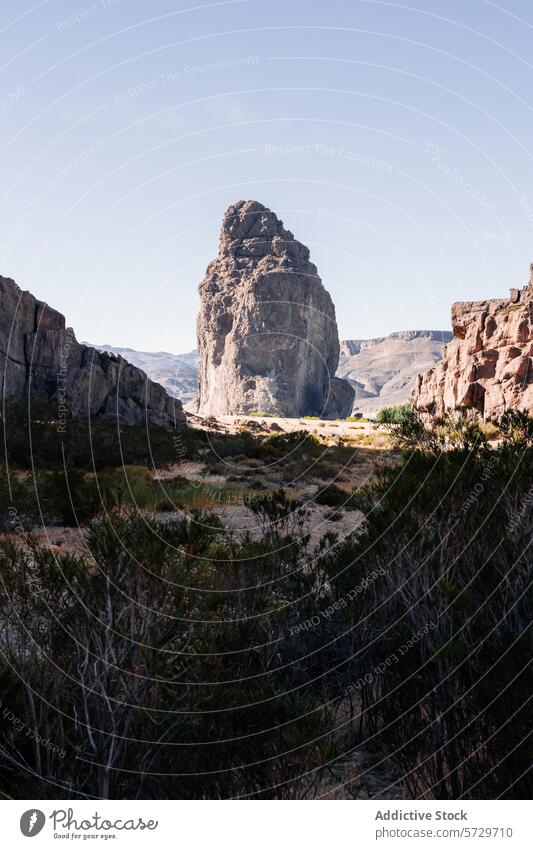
354, 346
383, 371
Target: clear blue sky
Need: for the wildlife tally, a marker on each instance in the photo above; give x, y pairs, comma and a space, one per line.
394, 140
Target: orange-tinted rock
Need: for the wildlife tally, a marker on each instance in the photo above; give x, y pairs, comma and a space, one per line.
487, 365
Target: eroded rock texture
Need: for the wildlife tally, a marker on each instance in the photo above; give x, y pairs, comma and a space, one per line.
38, 353
267, 333
488, 364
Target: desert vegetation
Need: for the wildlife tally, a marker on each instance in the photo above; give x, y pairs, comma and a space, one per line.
394, 415
171, 657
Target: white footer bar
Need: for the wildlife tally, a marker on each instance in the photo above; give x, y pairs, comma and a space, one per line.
267, 824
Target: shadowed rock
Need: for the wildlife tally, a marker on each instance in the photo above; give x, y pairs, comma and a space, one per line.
39, 354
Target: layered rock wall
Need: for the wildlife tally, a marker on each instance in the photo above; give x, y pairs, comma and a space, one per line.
488, 365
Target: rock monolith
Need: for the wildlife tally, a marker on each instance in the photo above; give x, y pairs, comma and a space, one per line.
267, 333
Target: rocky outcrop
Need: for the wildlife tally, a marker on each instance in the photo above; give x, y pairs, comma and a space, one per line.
177, 373
39, 354
384, 371
267, 333
488, 364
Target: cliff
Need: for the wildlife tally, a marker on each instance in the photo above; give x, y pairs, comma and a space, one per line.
487, 366
39, 354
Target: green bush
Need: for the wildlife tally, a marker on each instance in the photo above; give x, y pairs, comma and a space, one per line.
395, 415
207, 665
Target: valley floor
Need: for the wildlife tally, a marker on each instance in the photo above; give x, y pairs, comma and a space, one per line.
321, 482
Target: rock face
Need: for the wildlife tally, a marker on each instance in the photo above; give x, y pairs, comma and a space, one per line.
267, 333
38, 353
177, 373
384, 371
488, 364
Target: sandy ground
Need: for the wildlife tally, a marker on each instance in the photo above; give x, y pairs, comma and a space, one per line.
371, 443
318, 427
240, 520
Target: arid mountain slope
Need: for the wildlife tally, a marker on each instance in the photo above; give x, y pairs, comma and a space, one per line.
177, 373
384, 371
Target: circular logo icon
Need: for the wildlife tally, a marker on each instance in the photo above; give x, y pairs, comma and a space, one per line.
32, 822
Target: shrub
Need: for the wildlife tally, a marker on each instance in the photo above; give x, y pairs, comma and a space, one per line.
430, 646
332, 496
275, 511
152, 661
395, 415
33, 441
517, 426
16, 503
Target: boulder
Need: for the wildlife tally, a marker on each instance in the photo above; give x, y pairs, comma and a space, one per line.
267, 333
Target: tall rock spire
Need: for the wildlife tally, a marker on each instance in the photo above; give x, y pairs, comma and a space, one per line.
267, 333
